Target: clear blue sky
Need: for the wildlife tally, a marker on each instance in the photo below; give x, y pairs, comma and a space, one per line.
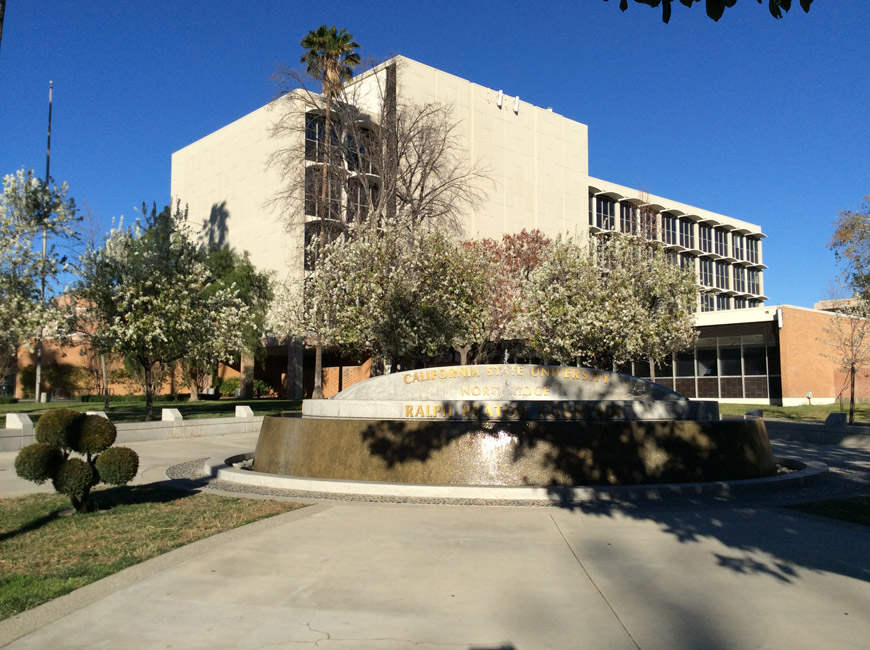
763, 120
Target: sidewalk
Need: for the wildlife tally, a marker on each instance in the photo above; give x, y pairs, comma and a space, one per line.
338, 575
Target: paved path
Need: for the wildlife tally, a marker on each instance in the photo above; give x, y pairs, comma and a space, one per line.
337, 575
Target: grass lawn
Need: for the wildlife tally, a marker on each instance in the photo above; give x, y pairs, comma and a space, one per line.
854, 509
134, 411
807, 412
43, 555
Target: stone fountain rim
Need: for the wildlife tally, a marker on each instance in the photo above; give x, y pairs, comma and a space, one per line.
804, 472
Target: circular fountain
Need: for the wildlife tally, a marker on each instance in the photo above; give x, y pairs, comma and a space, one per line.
513, 425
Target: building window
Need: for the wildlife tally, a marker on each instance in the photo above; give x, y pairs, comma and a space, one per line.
737, 243
647, 225
752, 250
723, 302
707, 302
705, 235
314, 193
315, 135
687, 235
605, 213
628, 218
687, 261
360, 148
707, 272
753, 281
672, 257
669, 229
740, 303
721, 242
722, 275
358, 194
739, 279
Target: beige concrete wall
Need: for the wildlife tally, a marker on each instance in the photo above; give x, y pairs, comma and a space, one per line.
228, 184
536, 159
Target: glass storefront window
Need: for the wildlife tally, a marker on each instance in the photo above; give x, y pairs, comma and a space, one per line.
729, 359
753, 360
641, 369
707, 363
665, 367
685, 364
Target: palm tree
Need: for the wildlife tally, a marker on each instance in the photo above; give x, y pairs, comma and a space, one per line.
330, 58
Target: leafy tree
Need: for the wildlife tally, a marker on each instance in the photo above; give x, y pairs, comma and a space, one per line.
29, 209
510, 264
851, 245
397, 296
149, 289
614, 300
75, 452
848, 337
715, 8
233, 272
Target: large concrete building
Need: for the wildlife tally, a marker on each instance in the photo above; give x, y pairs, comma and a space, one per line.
537, 164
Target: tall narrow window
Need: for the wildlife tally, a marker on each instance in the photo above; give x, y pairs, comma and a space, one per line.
752, 277
723, 302
605, 213
739, 279
706, 272
737, 244
628, 218
705, 236
707, 302
669, 229
752, 250
721, 242
722, 275
687, 235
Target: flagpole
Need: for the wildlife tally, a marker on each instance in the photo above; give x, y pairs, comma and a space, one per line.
44, 246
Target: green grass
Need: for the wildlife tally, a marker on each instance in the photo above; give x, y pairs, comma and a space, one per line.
135, 411
43, 555
806, 412
854, 509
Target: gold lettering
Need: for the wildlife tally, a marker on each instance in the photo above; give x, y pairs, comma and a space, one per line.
466, 409
419, 412
606, 377
406, 378
575, 373
442, 374
409, 410
475, 372
490, 371
466, 390
452, 373
584, 375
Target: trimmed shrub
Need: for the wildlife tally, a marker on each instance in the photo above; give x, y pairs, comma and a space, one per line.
8, 400
74, 477
118, 465
63, 431
55, 426
92, 435
38, 462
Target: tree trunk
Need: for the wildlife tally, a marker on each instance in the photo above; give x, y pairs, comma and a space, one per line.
317, 393
852, 394
246, 365
149, 393
105, 382
463, 355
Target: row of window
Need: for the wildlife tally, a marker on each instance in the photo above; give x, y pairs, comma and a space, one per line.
674, 230
724, 356
722, 302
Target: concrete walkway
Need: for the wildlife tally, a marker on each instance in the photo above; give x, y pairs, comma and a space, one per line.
339, 575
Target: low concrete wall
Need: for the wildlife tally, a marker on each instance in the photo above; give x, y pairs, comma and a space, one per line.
19, 428
819, 434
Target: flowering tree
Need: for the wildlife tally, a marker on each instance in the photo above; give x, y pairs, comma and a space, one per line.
148, 288
30, 208
613, 301
510, 263
396, 295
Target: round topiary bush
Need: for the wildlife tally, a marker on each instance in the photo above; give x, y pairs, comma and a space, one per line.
74, 478
92, 435
117, 465
38, 462
54, 427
